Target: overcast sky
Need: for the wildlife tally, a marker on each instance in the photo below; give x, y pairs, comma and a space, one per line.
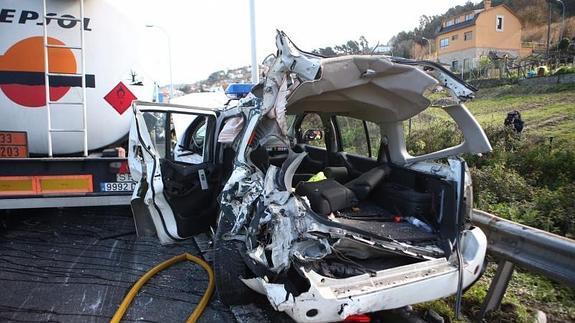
210, 35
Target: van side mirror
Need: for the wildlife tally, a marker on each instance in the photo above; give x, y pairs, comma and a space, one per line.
312, 135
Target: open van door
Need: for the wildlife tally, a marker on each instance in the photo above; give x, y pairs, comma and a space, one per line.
172, 159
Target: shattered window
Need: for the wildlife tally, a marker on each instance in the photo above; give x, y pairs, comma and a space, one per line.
353, 136
311, 123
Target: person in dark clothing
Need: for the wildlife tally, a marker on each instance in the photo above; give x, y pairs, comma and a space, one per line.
514, 120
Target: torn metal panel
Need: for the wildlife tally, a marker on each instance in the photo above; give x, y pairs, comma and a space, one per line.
243, 189
279, 110
289, 60
286, 217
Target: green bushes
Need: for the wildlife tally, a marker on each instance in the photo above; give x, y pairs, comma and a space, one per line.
546, 166
437, 135
523, 179
500, 184
564, 70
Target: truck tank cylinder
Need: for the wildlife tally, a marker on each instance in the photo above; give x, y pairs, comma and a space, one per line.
114, 73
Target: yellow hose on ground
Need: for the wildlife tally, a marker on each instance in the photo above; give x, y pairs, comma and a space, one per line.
136, 288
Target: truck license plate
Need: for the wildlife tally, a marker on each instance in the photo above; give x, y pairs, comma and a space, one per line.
13, 144
124, 183
126, 177
117, 186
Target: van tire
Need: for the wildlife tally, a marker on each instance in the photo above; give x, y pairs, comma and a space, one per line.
229, 266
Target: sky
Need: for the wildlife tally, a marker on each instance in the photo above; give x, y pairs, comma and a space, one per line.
212, 35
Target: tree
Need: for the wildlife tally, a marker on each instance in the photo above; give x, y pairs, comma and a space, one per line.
215, 76
186, 88
351, 47
327, 52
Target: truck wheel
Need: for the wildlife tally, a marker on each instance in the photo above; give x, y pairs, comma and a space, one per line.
229, 266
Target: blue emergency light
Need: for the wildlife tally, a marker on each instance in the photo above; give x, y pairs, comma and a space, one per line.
237, 91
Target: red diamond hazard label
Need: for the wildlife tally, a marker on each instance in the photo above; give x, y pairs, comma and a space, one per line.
120, 98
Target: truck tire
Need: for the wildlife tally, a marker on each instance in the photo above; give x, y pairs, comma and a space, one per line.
229, 266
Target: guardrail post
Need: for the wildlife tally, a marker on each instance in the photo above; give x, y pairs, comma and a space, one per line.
497, 288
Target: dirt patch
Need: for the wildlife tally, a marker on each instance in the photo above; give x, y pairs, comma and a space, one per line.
548, 122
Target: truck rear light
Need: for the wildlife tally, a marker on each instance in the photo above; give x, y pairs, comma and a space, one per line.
119, 167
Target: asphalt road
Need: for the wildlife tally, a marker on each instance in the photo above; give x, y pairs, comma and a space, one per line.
77, 264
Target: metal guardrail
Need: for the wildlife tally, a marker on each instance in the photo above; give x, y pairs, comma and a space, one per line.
532, 249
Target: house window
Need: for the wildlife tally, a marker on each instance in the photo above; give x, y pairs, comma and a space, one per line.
468, 35
457, 20
469, 16
499, 23
444, 42
455, 65
449, 23
454, 37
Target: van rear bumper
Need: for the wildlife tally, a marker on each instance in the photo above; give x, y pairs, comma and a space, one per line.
330, 300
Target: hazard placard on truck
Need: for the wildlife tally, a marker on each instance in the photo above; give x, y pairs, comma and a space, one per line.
13, 144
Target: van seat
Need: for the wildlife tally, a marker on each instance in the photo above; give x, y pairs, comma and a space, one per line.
328, 196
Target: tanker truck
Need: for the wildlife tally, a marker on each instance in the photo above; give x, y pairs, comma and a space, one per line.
69, 70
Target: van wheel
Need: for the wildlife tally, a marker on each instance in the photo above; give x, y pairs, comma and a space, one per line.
229, 266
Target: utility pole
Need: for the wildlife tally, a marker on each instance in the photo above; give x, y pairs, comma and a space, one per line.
548, 28
562, 20
255, 76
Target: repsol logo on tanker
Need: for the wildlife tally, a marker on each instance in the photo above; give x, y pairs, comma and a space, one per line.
13, 16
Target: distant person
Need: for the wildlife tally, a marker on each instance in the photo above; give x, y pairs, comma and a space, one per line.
514, 120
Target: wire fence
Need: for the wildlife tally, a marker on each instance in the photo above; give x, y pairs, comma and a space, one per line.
501, 66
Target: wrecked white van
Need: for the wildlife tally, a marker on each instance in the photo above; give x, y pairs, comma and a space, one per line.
319, 205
